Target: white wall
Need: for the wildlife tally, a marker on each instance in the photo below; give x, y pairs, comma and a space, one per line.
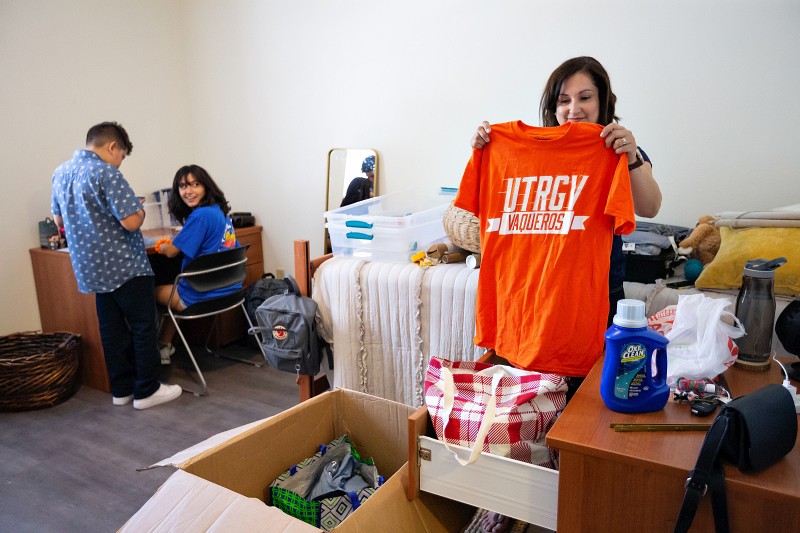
65, 66
257, 92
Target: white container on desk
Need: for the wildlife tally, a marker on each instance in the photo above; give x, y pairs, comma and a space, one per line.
391, 227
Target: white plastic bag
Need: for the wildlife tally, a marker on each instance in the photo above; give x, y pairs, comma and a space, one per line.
700, 343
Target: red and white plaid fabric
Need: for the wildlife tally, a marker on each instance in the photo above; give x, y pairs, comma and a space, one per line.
513, 408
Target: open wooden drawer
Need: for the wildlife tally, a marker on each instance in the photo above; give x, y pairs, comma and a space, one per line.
512, 488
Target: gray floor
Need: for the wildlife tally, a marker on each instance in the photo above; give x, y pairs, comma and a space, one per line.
73, 467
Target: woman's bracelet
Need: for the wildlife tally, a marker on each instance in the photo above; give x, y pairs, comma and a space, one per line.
636, 164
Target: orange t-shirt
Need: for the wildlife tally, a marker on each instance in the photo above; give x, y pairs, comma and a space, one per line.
549, 200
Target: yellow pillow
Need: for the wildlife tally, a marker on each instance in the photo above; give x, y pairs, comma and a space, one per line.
741, 244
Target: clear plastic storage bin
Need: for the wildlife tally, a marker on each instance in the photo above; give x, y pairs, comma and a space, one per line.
391, 227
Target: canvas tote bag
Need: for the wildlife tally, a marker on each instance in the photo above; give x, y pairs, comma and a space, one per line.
494, 408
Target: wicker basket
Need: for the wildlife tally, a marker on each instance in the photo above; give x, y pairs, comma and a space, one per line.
37, 370
463, 228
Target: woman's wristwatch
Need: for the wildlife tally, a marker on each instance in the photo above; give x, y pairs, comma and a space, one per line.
636, 164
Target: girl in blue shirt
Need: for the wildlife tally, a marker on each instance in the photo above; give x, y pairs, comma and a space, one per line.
200, 205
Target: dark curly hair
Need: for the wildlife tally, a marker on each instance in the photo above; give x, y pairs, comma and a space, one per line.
591, 67
214, 195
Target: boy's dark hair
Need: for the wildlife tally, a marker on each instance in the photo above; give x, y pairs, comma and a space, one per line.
105, 132
214, 195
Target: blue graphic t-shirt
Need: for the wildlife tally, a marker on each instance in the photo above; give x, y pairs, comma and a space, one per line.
207, 230
92, 196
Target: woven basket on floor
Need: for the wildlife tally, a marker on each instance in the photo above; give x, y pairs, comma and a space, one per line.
463, 228
37, 370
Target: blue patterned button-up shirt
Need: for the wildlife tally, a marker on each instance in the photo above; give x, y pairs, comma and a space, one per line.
92, 196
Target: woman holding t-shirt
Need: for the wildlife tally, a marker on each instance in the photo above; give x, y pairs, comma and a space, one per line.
201, 207
579, 90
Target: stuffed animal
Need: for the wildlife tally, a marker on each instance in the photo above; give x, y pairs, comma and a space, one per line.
703, 242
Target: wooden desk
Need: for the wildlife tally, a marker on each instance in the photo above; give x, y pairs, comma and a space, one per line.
63, 308
611, 481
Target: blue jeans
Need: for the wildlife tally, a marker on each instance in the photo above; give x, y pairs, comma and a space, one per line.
129, 334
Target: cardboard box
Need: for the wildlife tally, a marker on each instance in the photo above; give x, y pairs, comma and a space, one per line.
222, 489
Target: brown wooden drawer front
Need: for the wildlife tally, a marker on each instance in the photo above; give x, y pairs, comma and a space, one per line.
255, 254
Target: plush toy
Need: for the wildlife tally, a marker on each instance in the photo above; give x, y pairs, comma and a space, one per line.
703, 243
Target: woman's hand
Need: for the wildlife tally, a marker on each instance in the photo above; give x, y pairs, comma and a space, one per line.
646, 192
620, 139
159, 243
481, 137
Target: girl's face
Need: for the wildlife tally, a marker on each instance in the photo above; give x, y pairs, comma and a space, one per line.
191, 190
579, 100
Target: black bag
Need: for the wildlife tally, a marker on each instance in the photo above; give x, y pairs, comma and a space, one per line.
287, 329
753, 432
261, 290
47, 231
650, 251
787, 328
243, 220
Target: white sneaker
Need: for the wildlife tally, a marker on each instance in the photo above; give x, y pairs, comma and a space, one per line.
122, 400
165, 393
166, 351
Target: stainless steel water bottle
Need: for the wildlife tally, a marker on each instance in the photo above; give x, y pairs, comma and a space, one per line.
755, 308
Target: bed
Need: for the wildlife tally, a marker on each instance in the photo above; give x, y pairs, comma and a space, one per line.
385, 320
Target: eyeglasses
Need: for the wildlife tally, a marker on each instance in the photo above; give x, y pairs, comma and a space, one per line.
185, 184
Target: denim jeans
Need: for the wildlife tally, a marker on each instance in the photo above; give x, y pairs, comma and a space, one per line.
129, 334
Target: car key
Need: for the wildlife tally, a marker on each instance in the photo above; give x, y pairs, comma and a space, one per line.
701, 408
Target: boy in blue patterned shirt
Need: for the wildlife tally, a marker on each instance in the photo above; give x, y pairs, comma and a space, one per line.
102, 217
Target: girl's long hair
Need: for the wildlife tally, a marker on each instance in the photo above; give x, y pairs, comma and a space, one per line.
214, 195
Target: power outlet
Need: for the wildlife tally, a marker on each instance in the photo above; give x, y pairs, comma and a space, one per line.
279, 273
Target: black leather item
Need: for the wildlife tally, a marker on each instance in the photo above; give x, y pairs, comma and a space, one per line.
753, 432
763, 428
787, 327
243, 220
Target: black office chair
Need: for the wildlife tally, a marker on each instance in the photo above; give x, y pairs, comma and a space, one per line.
203, 274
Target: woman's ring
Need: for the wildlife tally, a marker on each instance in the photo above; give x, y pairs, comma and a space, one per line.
624, 141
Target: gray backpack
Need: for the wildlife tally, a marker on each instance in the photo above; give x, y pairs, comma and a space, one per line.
287, 331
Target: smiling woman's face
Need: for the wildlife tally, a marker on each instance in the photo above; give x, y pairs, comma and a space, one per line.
579, 100
192, 191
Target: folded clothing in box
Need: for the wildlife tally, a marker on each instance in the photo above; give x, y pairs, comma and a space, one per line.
325, 488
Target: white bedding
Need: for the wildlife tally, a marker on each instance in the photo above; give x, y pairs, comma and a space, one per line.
385, 320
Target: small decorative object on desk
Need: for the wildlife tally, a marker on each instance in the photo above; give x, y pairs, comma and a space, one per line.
37, 370
48, 231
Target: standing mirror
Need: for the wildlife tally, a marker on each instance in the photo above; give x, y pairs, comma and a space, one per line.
352, 177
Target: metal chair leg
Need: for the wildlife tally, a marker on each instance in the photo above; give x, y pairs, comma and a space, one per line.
233, 357
204, 390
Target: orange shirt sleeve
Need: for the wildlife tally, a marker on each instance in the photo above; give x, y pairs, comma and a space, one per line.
619, 205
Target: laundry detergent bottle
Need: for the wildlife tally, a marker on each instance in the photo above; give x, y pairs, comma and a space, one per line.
634, 378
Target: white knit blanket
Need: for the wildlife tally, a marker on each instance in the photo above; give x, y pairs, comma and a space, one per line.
385, 320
